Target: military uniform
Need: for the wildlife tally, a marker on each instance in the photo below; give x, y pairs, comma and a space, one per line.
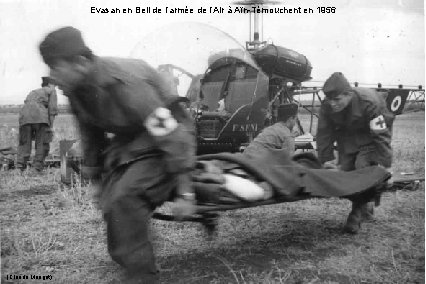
152, 145
35, 119
276, 136
363, 132
139, 165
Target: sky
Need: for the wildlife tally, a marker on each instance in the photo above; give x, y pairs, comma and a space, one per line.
370, 41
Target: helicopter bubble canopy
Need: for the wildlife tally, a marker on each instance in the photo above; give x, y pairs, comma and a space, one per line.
184, 51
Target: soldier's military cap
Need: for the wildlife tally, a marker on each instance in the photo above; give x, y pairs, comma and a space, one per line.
335, 85
287, 110
62, 43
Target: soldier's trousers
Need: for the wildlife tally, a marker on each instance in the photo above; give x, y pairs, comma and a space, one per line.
26, 133
365, 157
130, 194
47, 140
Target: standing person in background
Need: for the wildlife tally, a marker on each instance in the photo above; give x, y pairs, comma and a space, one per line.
149, 159
359, 121
35, 123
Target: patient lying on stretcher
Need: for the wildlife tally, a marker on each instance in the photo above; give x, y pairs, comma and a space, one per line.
213, 184
234, 178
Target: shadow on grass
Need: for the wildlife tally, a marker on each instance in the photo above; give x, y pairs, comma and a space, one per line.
263, 257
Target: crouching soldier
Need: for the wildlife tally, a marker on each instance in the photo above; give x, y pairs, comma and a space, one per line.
150, 155
279, 136
359, 121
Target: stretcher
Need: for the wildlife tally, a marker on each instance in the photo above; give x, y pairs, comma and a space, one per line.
311, 182
291, 180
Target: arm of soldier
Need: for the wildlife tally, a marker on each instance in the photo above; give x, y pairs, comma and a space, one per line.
53, 106
380, 130
147, 111
287, 141
289, 145
325, 137
178, 144
175, 139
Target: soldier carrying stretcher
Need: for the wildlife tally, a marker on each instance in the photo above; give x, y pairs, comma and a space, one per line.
359, 121
151, 153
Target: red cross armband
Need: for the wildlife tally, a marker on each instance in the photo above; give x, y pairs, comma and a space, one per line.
378, 124
160, 122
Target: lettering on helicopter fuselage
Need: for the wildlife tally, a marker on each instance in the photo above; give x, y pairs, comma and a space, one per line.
250, 127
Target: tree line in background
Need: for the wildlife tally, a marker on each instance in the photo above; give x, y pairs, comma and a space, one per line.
410, 106
17, 108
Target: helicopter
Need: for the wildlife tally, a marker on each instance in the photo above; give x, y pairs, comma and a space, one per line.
238, 96
240, 92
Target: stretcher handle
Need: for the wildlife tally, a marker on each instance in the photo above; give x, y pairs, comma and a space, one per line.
206, 210
226, 207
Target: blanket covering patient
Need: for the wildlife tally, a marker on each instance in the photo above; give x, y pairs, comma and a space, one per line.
231, 178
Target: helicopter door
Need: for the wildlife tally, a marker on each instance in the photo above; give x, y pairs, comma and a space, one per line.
249, 97
211, 94
241, 90
213, 85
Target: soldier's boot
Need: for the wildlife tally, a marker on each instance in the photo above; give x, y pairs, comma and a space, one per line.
22, 165
38, 165
353, 223
368, 212
35, 173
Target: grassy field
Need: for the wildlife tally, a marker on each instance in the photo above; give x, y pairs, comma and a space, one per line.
49, 229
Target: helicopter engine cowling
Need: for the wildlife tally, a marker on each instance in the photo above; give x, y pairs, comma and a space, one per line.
283, 62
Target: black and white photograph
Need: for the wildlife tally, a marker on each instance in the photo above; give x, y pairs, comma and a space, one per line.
229, 141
